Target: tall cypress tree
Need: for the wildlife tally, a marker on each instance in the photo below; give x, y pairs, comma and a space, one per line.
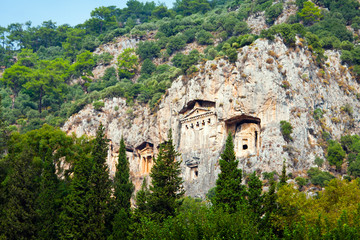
123, 189
100, 188
48, 205
166, 184
20, 216
270, 205
255, 198
140, 212
229, 191
74, 217
141, 201
50, 144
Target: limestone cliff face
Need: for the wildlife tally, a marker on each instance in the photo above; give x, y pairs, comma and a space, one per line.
269, 83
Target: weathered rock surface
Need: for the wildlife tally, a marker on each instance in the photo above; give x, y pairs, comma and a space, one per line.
269, 83
114, 48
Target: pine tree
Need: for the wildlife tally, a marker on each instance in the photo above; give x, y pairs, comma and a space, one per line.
166, 184
48, 201
100, 188
123, 189
20, 217
229, 191
141, 201
50, 145
141, 211
74, 216
255, 199
270, 205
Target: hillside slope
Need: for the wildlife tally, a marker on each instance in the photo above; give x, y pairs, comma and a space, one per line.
269, 83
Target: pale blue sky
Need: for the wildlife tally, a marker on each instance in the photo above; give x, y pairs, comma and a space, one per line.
71, 12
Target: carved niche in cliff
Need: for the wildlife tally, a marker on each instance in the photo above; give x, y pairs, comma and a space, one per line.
197, 125
192, 165
145, 152
246, 132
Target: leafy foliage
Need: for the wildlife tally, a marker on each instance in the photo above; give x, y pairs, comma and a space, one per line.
286, 130
148, 49
273, 12
319, 177
127, 63
310, 13
336, 154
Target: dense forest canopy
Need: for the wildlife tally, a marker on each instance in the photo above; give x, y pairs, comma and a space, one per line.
46, 76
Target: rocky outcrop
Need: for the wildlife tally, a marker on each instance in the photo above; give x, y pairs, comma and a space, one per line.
115, 49
269, 83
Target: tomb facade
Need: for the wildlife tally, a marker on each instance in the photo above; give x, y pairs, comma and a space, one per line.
246, 133
145, 152
198, 125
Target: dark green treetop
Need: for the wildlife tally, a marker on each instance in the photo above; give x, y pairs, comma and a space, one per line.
123, 189
229, 191
166, 185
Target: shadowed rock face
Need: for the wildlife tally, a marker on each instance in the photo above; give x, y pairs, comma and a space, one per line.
249, 99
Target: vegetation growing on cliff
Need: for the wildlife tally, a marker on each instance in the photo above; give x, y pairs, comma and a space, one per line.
48, 77
43, 62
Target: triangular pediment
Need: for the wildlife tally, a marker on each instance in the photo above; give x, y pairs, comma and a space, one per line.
196, 112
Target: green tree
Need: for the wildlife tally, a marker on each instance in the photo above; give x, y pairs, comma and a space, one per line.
102, 14
254, 195
175, 43
14, 78
49, 146
148, 67
127, 63
99, 187
188, 7
229, 191
354, 168
161, 11
72, 44
123, 189
336, 154
319, 177
74, 218
148, 49
273, 12
21, 189
166, 184
48, 80
286, 130
270, 206
141, 202
301, 182
310, 13
83, 68
204, 38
